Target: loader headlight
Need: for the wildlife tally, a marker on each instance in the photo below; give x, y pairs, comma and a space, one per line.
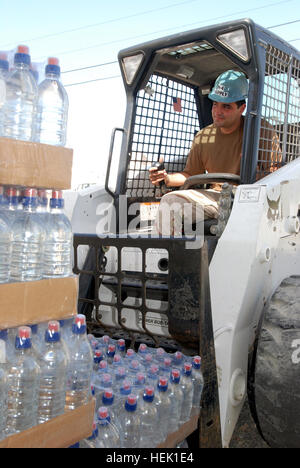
131, 66
236, 41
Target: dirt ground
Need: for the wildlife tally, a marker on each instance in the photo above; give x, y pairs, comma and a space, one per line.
246, 434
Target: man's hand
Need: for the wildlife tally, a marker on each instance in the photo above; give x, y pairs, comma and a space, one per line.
156, 176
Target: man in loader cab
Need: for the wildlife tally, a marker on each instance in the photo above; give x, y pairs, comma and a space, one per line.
216, 148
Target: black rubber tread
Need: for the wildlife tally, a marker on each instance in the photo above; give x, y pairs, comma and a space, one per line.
276, 382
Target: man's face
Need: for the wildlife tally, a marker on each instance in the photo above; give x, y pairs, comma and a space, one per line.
227, 116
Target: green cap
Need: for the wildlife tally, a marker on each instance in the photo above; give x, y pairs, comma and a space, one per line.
230, 86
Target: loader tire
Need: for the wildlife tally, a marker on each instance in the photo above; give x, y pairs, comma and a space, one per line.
275, 375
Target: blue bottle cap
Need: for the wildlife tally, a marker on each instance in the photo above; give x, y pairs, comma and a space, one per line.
57, 200
34, 329
98, 356
79, 325
111, 351
53, 66
11, 196
108, 398
187, 369
23, 338
131, 403
162, 384
140, 378
22, 55
29, 198
4, 62
103, 415
126, 388
197, 362
143, 348
3, 335
121, 344
148, 394
52, 334
175, 376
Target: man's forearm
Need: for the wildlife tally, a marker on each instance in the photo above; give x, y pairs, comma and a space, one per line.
177, 179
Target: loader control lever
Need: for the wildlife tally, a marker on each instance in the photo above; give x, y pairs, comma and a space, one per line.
160, 166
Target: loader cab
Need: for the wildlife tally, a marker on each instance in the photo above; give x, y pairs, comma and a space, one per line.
153, 284
167, 84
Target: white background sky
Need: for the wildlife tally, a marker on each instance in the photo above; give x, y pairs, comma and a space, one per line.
90, 33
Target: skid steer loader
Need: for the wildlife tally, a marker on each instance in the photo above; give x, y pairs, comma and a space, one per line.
235, 296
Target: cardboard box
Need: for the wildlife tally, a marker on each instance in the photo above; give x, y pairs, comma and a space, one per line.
60, 432
28, 164
182, 433
37, 301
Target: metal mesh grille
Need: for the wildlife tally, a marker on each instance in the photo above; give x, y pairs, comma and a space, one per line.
165, 125
136, 293
280, 128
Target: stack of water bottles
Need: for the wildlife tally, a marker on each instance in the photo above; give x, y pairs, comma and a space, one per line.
141, 396
45, 370
35, 235
32, 109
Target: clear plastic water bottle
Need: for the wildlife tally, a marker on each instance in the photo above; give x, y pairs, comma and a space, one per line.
149, 420
153, 375
176, 397
58, 241
119, 376
53, 364
134, 367
108, 436
158, 356
12, 205
66, 326
109, 401
104, 382
98, 357
110, 353
139, 385
130, 355
188, 392
93, 342
163, 404
65, 336
42, 205
103, 367
130, 423
121, 347
37, 341
3, 388
80, 367
198, 382
7, 346
52, 107
117, 361
178, 360
23, 385
5, 241
28, 236
21, 98
148, 361
122, 394
4, 65
143, 350
165, 367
